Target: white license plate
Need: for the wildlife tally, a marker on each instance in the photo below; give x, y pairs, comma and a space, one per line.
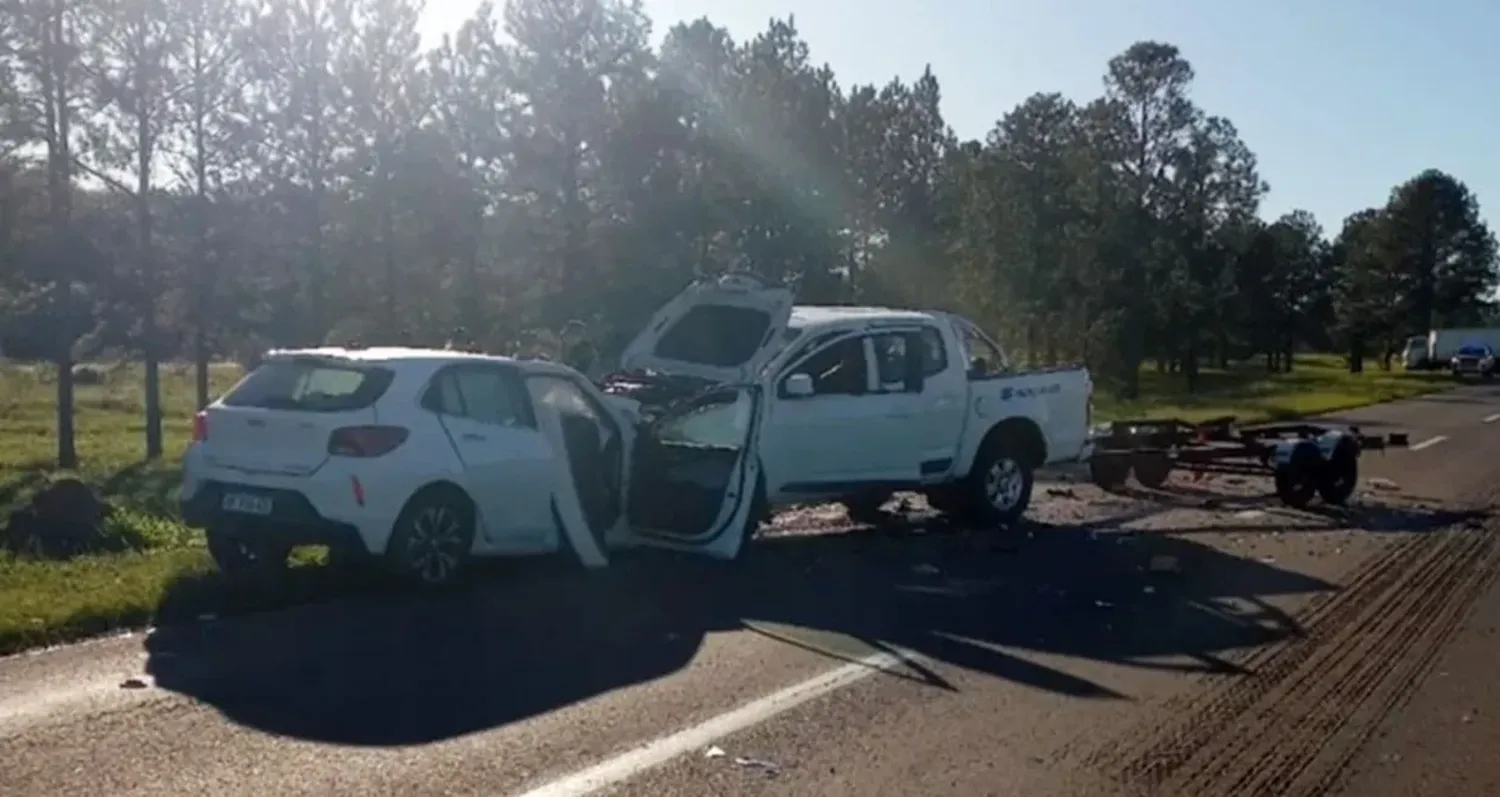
246, 504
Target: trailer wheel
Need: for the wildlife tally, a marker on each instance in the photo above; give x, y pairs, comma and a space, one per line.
1151, 470
1297, 480
1340, 474
1108, 471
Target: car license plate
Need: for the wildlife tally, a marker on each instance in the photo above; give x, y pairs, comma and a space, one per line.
247, 504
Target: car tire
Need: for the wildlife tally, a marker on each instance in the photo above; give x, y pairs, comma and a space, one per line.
998, 487
235, 553
433, 539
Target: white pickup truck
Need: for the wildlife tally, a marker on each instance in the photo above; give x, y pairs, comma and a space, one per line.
793, 404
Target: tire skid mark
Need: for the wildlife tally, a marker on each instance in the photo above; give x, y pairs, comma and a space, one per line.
1274, 744
1197, 715
1364, 649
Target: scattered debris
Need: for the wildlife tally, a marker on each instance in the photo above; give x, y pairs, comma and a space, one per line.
133, 683
1382, 484
1250, 514
769, 767
714, 751
1061, 492
1162, 563
1270, 560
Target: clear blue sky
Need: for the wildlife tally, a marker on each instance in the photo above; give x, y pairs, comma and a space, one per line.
1341, 99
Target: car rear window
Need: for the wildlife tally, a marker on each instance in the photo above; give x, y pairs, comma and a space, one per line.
310, 386
715, 334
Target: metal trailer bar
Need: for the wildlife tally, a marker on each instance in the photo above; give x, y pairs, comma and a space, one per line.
1304, 459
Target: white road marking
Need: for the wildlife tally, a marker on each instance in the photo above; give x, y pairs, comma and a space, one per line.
1492, 418
655, 753
1428, 443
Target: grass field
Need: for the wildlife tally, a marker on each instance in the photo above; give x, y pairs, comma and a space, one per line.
48, 602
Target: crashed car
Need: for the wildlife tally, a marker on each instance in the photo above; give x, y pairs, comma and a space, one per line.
732, 401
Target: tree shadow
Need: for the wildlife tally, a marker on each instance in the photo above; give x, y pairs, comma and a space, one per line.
385, 667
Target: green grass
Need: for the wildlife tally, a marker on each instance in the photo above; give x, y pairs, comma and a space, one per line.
49, 602
1318, 384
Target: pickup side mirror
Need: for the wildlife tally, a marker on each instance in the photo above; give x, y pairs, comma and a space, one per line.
978, 367
798, 386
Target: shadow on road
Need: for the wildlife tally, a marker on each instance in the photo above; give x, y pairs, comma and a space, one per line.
387, 668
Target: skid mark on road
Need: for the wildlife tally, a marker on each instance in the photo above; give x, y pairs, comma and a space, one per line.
1288, 727
1428, 443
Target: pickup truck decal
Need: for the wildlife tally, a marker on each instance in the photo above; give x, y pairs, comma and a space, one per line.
1006, 393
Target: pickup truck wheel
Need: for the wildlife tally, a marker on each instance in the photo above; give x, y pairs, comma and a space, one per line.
999, 486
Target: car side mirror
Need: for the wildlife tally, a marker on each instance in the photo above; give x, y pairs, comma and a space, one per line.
798, 386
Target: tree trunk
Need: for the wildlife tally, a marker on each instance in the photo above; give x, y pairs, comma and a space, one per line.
147, 264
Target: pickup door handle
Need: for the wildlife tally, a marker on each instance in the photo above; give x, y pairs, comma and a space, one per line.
473, 438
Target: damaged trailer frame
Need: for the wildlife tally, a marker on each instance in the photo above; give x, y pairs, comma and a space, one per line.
1304, 459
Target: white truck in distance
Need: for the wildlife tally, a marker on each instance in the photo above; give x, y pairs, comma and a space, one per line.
730, 402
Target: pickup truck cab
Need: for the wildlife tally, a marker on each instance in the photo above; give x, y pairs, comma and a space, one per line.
847, 403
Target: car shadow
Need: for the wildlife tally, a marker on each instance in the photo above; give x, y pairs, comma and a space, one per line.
387, 667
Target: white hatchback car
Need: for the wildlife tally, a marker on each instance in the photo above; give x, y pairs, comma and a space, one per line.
424, 458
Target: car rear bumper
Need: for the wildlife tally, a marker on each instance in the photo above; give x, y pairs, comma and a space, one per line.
292, 521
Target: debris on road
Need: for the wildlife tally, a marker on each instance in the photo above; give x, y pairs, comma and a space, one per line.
1382, 484
1250, 514
771, 768
133, 683
1162, 563
714, 751
1061, 492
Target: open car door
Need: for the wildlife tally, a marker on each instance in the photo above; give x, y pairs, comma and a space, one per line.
695, 475
720, 330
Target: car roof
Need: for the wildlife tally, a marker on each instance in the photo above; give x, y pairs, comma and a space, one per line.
819, 315
421, 356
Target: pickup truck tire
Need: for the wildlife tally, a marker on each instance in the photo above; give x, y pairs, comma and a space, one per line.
997, 490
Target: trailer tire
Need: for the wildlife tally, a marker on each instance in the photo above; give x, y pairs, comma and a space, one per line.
1108, 471
1297, 479
1340, 474
1152, 469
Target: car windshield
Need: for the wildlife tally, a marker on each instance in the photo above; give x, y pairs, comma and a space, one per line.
1470, 350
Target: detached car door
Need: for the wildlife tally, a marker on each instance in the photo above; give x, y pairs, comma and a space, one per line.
695, 475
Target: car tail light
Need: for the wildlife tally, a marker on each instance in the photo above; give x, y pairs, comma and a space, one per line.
365, 441
200, 427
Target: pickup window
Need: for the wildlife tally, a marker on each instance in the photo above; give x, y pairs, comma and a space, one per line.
839, 369
985, 359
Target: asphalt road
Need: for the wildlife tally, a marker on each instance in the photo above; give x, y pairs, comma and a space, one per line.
1196, 640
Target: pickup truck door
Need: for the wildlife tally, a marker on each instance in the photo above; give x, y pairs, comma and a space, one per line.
928, 394
848, 433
